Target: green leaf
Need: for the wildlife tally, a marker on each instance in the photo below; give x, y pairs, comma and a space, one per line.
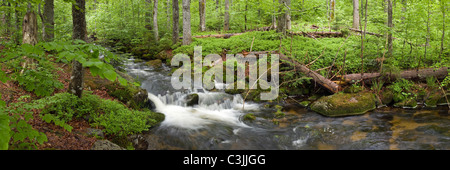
94, 71
4, 131
110, 75
3, 77
122, 81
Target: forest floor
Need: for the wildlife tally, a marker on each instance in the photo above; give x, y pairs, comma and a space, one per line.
58, 137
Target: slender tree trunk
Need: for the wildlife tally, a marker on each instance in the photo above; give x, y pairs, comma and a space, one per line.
175, 20
274, 17
245, 16
202, 13
49, 24
390, 25
355, 14
8, 20
168, 14
288, 15
428, 32
155, 20
226, 25
17, 25
148, 15
332, 9
187, 37
281, 27
443, 31
79, 33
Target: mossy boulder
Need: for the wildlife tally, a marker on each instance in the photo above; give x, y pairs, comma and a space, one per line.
154, 63
353, 89
134, 97
163, 55
409, 103
443, 100
432, 99
345, 104
387, 96
249, 117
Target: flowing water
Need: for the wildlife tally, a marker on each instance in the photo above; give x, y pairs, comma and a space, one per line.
217, 122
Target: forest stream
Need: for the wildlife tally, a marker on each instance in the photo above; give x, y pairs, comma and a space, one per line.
217, 122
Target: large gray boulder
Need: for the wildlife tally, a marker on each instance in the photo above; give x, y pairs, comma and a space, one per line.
106, 145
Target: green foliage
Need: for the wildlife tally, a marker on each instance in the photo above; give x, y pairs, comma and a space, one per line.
22, 134
402, 89
41, 81
4, 130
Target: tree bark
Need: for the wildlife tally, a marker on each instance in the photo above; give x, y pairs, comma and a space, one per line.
202, 13
79, 33
49, 23
187, 37
175, 20
420, 75
281, 27
355, 14
274, 17
319, 79
288, 15
168, 14
148, 15
226, 22
155, 20
390, 25
30, 29
443, 32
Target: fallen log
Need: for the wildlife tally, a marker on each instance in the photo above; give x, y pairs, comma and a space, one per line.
318, 34
218, 35
370, 33
319, 79
419, 75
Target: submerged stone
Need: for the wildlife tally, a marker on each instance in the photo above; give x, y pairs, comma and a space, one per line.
192, 99
345, 104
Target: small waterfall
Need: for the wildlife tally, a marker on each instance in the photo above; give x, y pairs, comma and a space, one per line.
213, 107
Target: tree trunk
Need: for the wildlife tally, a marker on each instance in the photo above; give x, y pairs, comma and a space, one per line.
355, 14
274, 17
226, 22
79, 33
168, 14
288, 15
8, 20
30, 29
319, 79
390, 25
49, 23
148, 15
428, 32
17, 25
443, 31
245, 16
155, 20
187, 37
332, 10
175, 18
420, 75
202, 13
281, 27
